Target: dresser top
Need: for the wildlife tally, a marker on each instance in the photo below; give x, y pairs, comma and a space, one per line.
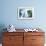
22, 30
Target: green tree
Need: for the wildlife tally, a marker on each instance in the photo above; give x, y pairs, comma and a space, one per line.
29, 13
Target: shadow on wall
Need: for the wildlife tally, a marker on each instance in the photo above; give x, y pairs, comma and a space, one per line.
2, 26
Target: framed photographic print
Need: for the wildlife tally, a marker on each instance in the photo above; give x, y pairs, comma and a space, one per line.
25, 13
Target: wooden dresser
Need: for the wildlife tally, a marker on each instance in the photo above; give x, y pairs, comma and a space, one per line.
23, 38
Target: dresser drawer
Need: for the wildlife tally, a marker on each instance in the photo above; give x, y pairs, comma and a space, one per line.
37, 44
12, 39
34, 33
37, 39
13, 33
13, 44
